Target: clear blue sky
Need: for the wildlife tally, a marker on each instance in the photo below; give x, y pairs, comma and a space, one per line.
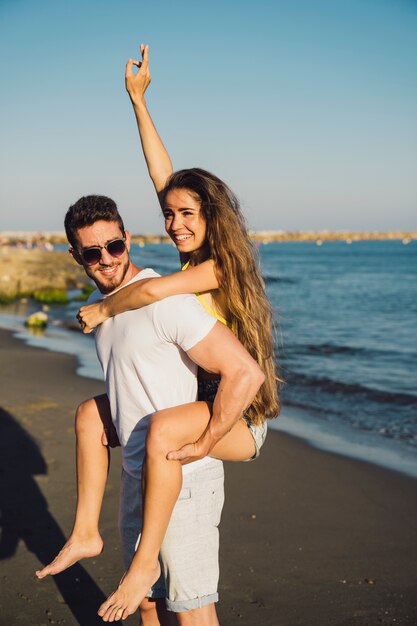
307, 108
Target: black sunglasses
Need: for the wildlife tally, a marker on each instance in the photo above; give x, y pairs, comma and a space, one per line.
92, 255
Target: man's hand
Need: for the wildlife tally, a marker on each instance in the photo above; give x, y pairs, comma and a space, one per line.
137, 84
190, 452
91, 315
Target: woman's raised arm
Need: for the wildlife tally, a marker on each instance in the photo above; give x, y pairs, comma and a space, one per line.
200, 278
156, 157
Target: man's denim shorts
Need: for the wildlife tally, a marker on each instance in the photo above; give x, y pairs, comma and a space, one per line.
189, 555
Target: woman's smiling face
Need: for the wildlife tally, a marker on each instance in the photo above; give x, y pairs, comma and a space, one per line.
184, 221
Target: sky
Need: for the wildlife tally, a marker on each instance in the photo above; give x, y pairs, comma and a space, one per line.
306, 108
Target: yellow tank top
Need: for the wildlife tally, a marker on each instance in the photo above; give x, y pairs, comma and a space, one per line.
210, 309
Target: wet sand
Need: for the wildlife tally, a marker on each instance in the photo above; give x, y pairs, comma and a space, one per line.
307, 538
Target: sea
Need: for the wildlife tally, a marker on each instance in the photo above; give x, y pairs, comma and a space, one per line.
346, 342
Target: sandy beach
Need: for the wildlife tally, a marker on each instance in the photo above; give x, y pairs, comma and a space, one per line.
307, 538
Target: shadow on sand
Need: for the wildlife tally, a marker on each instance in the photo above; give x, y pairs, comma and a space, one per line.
25, 516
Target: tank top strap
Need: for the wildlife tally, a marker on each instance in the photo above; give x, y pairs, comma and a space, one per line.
210, 309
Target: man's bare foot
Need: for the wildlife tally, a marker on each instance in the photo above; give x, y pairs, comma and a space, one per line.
74, 550
132, 589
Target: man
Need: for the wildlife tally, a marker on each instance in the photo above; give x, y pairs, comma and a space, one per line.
149, 359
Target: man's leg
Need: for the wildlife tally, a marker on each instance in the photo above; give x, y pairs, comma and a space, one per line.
205, 616
189, 553
154, 613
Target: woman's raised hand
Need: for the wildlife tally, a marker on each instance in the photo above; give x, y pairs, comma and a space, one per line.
90, 316
137, 84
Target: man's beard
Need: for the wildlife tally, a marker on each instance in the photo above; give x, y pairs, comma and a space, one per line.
112, 283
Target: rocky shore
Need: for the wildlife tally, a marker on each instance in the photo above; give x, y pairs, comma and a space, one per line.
42, 274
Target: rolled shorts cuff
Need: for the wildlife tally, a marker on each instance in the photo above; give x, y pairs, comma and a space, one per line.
181, 606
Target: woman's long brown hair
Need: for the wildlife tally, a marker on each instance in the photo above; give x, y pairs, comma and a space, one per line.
239, 277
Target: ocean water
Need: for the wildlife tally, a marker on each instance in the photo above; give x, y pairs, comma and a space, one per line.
347, 345
346, 342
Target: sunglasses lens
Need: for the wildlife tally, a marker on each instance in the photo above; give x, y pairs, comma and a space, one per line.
91, 256
116, 248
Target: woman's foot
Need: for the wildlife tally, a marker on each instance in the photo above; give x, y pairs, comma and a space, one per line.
132, 589
74, 550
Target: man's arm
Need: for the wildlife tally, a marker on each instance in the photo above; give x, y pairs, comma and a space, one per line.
241, 377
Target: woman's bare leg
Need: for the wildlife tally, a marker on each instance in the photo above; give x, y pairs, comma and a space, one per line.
92, 468
169, 430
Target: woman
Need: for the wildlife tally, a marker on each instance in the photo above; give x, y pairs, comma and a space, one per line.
203, 218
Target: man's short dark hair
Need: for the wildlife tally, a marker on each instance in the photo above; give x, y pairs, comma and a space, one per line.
88, 210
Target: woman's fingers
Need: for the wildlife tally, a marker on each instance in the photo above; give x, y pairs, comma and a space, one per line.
129, 66
84, 325
145, 55
144, 50
137, 83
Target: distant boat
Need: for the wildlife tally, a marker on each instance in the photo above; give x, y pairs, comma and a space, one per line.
319, 242
406, 241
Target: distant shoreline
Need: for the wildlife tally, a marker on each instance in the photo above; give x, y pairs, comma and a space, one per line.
265, 236
30, 265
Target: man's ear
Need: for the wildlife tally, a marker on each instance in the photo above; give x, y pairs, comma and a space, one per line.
128, 240
75, 256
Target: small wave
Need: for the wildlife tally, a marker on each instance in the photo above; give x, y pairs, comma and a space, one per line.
310, 407
328, 385
329, 349
272, 280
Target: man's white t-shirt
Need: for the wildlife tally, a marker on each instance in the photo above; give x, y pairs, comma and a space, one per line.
146, 368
